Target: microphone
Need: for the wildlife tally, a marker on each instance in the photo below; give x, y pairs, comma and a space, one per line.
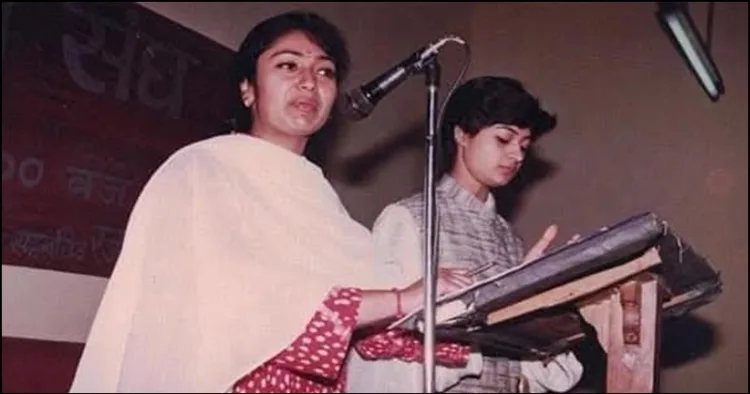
362, 100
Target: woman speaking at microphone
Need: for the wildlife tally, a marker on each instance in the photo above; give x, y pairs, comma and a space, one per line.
240, 269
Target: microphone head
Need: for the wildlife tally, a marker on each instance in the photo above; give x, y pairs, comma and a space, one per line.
357, 106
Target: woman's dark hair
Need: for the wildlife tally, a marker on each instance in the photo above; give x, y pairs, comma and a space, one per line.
323, 33
485, 101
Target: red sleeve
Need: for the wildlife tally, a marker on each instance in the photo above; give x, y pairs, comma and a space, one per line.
407, 346
321, 349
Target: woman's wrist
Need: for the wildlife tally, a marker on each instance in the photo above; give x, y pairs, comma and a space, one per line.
398, 293
410, 299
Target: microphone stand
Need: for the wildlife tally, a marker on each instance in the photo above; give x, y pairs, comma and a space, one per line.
432, 80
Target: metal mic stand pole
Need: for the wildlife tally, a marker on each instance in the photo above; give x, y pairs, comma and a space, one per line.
432, 80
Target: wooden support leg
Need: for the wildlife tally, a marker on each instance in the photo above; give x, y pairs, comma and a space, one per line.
627, 320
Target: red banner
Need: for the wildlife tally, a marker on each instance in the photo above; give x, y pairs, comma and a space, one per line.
95, 97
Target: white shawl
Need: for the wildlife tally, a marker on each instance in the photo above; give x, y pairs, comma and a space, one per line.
230, 248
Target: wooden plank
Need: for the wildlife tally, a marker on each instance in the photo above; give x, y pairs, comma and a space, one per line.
576, 289
632, 361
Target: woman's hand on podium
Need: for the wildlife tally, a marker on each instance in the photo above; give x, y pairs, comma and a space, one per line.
448, 281
540, 247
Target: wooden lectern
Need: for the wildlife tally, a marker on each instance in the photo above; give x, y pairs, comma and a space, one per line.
623, 304
622, 280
